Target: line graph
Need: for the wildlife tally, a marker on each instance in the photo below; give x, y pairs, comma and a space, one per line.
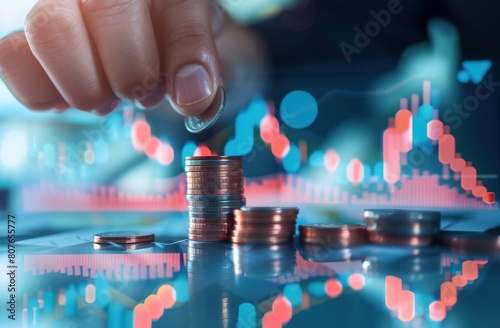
393, 181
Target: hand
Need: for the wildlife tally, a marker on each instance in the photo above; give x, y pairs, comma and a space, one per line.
89, 54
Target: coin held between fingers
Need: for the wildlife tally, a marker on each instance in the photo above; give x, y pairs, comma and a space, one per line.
202, 122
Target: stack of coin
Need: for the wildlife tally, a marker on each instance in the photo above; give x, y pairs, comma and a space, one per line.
402, 227
333, 234
214, 190
264, 225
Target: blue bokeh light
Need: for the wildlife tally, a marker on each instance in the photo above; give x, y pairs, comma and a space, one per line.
293, 293
291, 162
299, 109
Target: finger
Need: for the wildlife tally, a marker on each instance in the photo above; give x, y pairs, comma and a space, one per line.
187, 53
58, 38
24, 76
124, 37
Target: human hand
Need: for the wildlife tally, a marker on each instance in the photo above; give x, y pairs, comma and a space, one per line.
90, 54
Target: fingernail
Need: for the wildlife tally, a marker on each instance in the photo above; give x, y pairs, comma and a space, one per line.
108, 107
154, 99
192, 84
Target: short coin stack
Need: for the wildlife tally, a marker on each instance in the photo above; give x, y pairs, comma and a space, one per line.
406, 227
333, 234
264, 225
214, 190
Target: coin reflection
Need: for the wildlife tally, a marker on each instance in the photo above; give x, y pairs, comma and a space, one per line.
262, 260
210, 276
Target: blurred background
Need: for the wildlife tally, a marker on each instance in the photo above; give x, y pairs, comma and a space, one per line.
356, 109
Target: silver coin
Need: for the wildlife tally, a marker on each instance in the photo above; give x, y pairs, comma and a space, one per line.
123, 237
198, 124
399, 215
201, 215
218, 209
229, 203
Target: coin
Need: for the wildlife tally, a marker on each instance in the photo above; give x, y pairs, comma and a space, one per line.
198, 124
402, 215
222, 191
464, 241
259, 234
224, 220
214, 157
228, 203
207, 237
123, 237
381, 238
402, 227
206, 209
215, 186
214, 162
209, 226
214, 198
264, 227
205, 231
215, 174
266, 210
261, 240
244, 220
214, 168
217, 180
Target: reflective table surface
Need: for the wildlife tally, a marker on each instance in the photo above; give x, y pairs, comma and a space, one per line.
64, 280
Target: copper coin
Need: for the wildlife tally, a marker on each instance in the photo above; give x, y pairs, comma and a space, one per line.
213, 162
222, 191
403, 228
331, 241
214, 168
216, 180
214, 185
210, 220
259, 234
205, 231
214, 157
262, 240
464, 241
264, 227
215, 174
335, 230
221, 237
266, 210
123, 237
381, 238
209, 226
264, 219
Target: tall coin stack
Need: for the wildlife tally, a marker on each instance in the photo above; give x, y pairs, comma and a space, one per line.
214, 190
264, 225
402, 227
